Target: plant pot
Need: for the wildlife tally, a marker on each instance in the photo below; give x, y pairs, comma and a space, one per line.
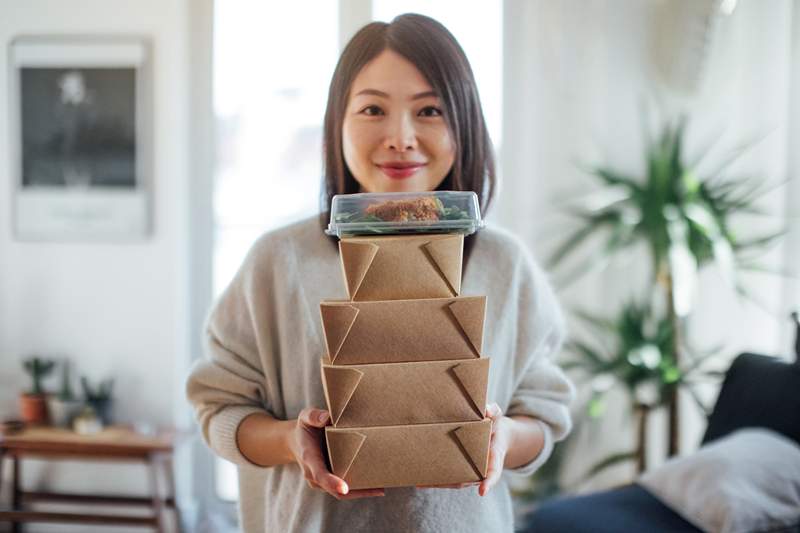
63, 411
103, 410
33, 408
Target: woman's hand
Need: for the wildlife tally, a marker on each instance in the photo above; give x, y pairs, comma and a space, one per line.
306, 442
498, 447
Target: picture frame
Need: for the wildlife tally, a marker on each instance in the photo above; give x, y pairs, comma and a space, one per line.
80, 138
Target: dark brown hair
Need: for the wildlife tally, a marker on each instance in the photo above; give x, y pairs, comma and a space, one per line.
435, 52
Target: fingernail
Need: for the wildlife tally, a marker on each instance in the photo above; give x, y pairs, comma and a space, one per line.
322, 416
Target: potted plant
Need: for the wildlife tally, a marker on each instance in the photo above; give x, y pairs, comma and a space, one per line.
99, 398
33, 404
684, 222
65, 405
633, 351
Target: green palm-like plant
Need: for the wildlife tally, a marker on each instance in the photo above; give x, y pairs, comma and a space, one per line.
634, 351
640, 353
678, 215
683, 221
38, 369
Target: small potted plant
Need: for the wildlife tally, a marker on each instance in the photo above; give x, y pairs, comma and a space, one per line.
33, 404
65, 405
99, 398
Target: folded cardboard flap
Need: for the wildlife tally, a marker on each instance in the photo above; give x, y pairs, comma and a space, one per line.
445, 254
473, 377
393, 331
356, 259
474, 442
337, 321
399, 456
343, 448
339, 383
406, 393
402, 267
470, 318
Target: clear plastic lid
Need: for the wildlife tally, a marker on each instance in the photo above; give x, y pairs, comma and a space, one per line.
395, 213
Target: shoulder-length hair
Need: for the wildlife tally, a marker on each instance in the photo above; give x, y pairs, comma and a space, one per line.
435, 52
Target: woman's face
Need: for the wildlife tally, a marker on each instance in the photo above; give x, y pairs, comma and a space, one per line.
394, 136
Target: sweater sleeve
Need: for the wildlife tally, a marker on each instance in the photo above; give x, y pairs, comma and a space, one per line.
229, 384
542, 389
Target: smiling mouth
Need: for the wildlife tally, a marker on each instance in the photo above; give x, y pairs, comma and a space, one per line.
401, 171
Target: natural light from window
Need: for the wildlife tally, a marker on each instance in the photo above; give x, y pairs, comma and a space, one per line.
272, 65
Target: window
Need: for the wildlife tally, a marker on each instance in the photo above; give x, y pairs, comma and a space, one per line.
272, 66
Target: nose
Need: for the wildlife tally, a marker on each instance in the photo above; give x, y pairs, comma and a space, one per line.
401, 134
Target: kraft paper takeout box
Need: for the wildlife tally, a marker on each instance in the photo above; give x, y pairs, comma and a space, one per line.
402, 456
406, 393
396, 331
402, 267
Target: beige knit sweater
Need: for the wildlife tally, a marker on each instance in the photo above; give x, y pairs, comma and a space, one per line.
264, 342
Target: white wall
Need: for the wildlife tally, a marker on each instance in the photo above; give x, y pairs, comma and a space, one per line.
117, 310
577, 77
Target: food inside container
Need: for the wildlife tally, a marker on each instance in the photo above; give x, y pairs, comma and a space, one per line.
400, 212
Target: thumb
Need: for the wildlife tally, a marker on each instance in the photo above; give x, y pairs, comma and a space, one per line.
493, 410
317, 418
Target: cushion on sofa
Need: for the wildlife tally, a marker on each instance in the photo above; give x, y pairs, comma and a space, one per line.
748, 481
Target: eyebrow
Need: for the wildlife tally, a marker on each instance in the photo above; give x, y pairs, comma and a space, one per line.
376, 92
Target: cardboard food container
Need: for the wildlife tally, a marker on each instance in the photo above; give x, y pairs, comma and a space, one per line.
402, 267
398, 331
410, 455
406, 393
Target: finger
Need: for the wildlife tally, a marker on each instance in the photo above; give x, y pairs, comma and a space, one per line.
328, 482
311, 416
486, 483
493, 410
335, 489
307, 473
333, 484
362, 493
494, 471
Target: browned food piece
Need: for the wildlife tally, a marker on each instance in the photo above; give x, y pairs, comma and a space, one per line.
423, 208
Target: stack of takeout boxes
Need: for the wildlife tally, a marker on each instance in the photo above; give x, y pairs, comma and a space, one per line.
404, 377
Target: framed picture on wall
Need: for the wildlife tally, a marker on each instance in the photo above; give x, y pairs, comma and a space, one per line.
80, 138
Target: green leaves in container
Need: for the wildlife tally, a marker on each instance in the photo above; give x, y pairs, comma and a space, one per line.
38, 369
349, 217
454, 213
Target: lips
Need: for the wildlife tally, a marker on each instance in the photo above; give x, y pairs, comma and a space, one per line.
400, 169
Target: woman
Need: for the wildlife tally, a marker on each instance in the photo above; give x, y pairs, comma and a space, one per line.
403, 115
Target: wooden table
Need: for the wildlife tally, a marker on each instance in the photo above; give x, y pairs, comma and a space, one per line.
117, 444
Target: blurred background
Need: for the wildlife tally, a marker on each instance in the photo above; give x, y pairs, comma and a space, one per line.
648, 152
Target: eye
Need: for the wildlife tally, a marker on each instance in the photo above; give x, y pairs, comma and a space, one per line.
372, 110
431, 111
